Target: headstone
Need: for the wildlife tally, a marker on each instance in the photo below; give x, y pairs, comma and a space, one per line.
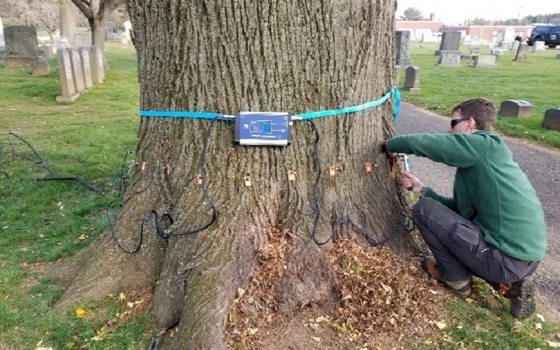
521, 52
40, 66
44, 51
127, 29
2, 42
450, 58
450, 41
484, 61
412, 78
21, 46
96, 64
497, 51
515, 46
515, 108
67, 84
86, 67
551, 119
506, 45
402, 46
474, 50
77, 70
538, 46
509, 34
63, 43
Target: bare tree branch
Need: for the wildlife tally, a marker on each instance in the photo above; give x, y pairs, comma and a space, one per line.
85, 7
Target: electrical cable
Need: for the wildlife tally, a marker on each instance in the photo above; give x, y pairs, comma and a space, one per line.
160, 219
315, 203
407, 221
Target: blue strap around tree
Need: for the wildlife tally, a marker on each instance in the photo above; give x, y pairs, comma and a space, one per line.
304, 116
179, 114
353, 109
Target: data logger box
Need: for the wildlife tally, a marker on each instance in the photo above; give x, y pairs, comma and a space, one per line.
262, 128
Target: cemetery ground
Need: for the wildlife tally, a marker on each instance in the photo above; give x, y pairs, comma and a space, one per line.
536, 80
44, 221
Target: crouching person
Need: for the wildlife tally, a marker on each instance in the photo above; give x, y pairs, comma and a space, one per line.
493, 226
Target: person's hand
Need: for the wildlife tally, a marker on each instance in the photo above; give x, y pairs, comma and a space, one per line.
389, 155
411, 182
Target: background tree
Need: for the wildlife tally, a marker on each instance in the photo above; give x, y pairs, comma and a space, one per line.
42, 14
478, 21
97, 13
412, 14
67, 21
229, 56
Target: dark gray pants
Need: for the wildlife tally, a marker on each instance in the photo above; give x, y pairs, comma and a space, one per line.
459, 248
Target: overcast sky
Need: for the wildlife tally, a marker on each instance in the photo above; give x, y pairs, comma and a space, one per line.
455, 11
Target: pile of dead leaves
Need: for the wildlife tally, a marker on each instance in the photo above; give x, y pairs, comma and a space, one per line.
384, 296
381, 294
255, 306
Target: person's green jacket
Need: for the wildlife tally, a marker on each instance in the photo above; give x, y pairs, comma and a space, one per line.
490, 189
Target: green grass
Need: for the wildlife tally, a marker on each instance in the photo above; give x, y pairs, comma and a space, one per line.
41, 222
534, 80
484, 323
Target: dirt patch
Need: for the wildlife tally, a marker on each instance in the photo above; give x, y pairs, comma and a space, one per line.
385, 301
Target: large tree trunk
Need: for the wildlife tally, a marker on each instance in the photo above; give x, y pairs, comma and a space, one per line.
67, 21
254, 55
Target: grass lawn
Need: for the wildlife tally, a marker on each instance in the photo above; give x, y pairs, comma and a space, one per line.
41, 222
535, 80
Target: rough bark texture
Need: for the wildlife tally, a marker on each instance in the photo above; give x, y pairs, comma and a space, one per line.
253, 55
67, 21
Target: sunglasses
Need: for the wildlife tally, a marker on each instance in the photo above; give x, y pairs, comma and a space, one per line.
457, 121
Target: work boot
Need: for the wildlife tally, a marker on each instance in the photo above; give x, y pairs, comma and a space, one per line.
462, 288
522, 297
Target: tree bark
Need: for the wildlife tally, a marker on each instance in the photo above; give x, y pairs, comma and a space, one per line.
67, 22
229, 56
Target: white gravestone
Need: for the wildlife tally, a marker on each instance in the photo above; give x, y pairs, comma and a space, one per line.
538, 46
2, 42
96, 64
86, 68
77, 70
67, 84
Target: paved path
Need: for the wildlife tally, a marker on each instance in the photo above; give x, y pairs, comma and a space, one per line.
542, 166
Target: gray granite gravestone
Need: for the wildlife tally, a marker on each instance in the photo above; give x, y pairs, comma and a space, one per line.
412, 78
86, 67
40, 66
515, 45
449, 41
77, 71
21, 46
484, 61
402, 45
96, 64
67, 84
450, 58
551, 119
521, 54
515, 108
